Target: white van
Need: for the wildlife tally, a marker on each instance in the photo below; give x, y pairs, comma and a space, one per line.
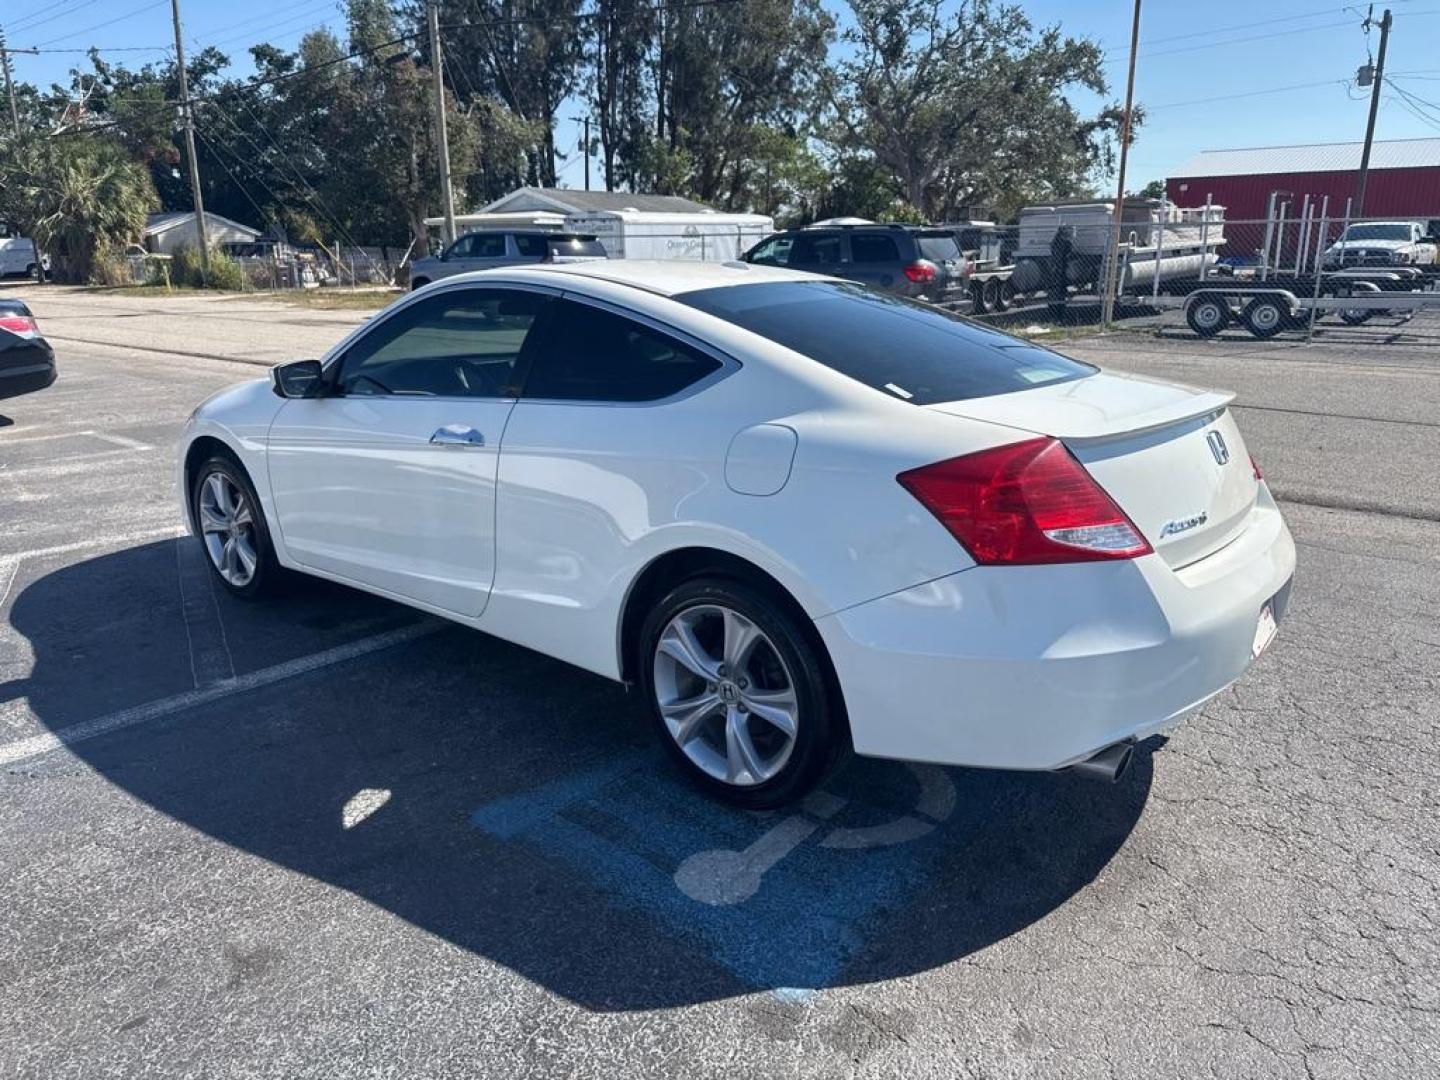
17, 256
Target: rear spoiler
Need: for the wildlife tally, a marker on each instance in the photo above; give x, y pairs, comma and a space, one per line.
1094, 409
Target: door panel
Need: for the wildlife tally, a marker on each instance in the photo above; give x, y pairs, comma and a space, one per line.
390, 480
362, 491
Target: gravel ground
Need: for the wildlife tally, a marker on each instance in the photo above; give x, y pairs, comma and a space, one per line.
329, 837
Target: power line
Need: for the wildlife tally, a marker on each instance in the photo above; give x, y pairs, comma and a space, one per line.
108, 22
273, 30
1225, 29
215, 153
1246, 94
268, 15
256, 84
30, 22
106, 49
308, 192
1235, 41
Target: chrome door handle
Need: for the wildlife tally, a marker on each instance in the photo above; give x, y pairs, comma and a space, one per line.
456, 435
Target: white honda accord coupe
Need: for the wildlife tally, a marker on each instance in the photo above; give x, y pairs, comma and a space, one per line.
799, 516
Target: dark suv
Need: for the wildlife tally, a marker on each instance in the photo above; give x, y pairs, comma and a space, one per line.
486, 248
911, 260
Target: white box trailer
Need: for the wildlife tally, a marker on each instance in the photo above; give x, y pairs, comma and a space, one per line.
639, 234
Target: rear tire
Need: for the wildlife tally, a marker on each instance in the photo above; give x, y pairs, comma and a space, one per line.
738, 693
231, 528
1266, 316
991, 291
418, 283
1004, 295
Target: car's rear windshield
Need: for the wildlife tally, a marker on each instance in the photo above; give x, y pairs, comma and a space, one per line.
569, 244
912, 351
938, 247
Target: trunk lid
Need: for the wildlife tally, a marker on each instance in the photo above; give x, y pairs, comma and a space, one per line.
1169, 455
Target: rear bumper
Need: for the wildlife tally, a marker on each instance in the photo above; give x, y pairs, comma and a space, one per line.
1039, 667
26, 367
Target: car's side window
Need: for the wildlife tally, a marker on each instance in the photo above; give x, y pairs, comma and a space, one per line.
487, 246
873, 249
817, 249
531, 246
459, 343
460, 249
585, 353
773, 252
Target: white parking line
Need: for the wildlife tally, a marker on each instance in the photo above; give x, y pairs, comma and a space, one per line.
20, 750
121, 541
122, 440
105, 436
210, 659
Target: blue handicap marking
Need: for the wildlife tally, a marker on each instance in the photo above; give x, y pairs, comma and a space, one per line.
784, 899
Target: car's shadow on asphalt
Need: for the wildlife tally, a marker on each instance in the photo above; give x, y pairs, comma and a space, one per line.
519, 809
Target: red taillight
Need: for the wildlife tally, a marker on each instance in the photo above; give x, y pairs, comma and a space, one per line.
1255, 467
18, 324
1028, 502
921, 273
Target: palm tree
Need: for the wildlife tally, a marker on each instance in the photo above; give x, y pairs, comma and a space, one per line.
81, 197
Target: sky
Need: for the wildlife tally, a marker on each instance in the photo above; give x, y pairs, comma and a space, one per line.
1222, 74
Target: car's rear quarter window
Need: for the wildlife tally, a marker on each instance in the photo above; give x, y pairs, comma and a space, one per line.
912, 351
938, 247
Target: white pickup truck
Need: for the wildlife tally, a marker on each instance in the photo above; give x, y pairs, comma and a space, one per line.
1382, 243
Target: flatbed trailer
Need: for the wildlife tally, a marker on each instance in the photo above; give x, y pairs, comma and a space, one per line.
1265, 308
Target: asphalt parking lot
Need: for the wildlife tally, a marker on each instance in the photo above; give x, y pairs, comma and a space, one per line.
329, 837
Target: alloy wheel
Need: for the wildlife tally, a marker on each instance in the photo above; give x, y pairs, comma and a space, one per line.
725, 695
227, 526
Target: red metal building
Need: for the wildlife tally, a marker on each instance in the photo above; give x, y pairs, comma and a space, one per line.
1404, 178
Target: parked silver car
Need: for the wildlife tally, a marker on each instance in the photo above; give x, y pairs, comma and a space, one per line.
504, 247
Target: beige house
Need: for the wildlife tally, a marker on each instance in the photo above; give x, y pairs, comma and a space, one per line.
166, 234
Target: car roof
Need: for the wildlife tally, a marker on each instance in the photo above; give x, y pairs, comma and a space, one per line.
667, 277
870, 226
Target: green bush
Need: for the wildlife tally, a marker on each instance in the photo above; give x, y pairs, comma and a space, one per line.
225, 272
109, 268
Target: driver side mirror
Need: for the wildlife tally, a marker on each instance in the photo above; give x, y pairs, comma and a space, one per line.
297, 379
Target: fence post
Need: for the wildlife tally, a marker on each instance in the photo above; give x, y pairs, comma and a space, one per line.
1158, 238
1319, 243
1205, 236
1301, 224
1269, 230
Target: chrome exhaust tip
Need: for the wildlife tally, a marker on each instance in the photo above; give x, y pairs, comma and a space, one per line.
1107, 765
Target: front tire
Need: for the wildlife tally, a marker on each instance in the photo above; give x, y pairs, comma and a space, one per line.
738, 693
231, 527
1208, 315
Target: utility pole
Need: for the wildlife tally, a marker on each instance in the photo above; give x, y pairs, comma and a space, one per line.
201, 233
10, 80
585, 145
1385, 22
1112, 257
447, 197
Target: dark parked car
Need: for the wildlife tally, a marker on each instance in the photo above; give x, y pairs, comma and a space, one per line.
27, 362
504, 247
910, 260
